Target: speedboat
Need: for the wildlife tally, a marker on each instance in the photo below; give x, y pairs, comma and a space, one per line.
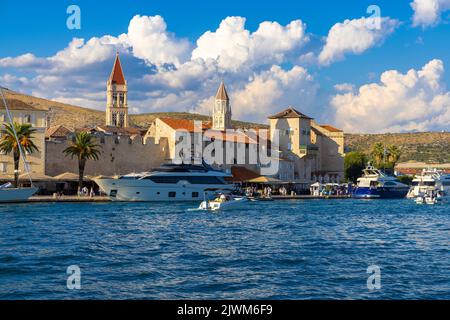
170, 182
222, 201
430, 180
375, 184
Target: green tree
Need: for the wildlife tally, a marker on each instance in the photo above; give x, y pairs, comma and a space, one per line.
8, 143
354, 163
84, 149
377, 154
394, 154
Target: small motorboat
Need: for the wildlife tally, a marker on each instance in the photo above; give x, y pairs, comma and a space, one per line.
222, 201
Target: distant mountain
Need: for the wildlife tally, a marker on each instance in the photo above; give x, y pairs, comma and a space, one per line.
75, 117
430, 147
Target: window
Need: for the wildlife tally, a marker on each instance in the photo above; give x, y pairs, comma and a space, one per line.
114, 119
190, 179
172, 194
114, 98
3, 167
121, 120
27, 118
194, 194
121, 99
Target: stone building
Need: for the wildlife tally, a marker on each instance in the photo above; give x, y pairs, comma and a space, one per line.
121, 152
316, 151
24, 113
116, 97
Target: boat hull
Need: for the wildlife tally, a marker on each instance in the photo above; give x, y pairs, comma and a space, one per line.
16, 194
145, 191
379, 193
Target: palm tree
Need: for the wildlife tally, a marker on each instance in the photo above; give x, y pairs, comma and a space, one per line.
8, 143
84, 149
378, 153
394, 154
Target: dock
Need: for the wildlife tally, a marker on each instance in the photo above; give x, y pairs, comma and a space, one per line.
69, 199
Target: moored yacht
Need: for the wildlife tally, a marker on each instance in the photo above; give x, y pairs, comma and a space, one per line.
376, 184
170, 182
431, 180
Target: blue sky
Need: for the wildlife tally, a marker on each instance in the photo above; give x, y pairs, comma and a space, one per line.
410, 38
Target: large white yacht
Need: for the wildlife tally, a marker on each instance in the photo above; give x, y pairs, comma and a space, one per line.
431, 180
170, 182
375, 184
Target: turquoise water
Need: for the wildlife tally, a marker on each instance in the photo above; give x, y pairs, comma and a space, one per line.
268, 250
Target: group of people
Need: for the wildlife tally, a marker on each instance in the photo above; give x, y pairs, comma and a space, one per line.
85, 192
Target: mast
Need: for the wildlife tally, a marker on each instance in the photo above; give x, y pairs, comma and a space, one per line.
22, 154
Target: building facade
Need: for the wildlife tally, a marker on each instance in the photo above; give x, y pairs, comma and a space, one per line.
24, 113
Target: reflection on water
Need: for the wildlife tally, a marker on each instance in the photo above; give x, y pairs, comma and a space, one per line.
281, 249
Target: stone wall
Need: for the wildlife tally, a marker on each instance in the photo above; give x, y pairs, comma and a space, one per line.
119, 155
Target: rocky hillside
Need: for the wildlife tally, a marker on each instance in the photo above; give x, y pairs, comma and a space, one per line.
75, 117
430, 147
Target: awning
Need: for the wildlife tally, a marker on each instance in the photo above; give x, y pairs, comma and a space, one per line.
266, 180
69, 176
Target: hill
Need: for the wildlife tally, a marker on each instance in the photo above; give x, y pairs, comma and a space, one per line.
430, 147
72, 116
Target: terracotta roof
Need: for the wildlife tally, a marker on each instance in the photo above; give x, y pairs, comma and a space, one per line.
317, 132
290, 112
241, 174
330, 128
181, 124
58, 131
222, 92
116, 76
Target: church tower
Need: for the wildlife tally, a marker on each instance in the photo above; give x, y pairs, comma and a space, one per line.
222, 110
116, 97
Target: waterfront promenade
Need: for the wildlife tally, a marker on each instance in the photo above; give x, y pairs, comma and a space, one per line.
107, 199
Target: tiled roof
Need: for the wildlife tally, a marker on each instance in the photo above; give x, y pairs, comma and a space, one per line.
330, 128
181, 124
222, 92
58, 131
117, 76
290, 112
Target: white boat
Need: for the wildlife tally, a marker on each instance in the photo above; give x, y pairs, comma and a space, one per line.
375, 184
430, 180
170, 182
7, 193
222, 202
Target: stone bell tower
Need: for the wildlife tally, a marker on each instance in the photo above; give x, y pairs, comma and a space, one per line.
116, 97
222, 110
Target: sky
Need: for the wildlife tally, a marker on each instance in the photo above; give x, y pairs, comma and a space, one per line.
363, 66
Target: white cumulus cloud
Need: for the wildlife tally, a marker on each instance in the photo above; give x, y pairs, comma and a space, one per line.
233, 46
355, 36
416, 100
428, 12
